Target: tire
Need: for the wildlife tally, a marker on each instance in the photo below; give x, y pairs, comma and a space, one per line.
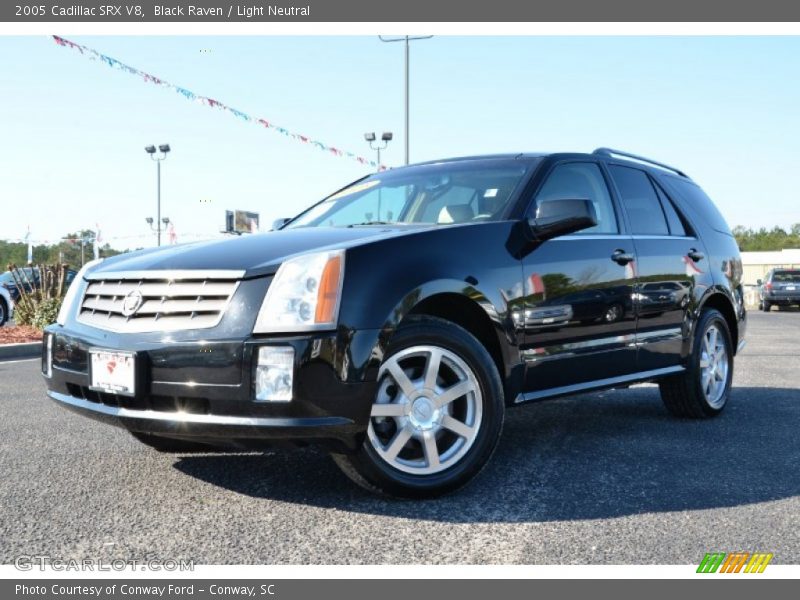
3, 312
686, 394
171, 445
765, 306
412, 449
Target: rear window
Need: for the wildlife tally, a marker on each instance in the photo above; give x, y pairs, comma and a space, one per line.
699, 202
786, 277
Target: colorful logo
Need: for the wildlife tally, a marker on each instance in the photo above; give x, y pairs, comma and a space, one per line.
735, 562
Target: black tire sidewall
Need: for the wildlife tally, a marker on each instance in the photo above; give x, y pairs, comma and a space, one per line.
437, 332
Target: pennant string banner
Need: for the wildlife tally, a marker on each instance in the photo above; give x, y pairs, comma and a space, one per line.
189, 95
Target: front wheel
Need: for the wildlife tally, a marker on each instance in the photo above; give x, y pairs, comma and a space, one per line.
3, 312
702, 390
436, 417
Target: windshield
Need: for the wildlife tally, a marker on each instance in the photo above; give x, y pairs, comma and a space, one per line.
444, 193
786, 277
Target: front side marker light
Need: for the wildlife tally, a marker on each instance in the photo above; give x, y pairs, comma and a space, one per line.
47, 361
274, 374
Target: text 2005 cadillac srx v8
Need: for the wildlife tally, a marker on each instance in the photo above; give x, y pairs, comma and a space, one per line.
395, 321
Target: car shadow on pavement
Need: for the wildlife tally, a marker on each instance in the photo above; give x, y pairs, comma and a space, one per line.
594, 456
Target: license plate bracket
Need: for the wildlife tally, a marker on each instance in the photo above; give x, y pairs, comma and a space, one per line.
112, 371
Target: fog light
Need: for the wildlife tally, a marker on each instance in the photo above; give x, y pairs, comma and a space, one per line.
274, 373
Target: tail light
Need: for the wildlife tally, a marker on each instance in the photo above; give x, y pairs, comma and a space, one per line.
768, 286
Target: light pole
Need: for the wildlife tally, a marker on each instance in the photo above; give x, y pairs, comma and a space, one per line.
151, 150
406, 39
386, 137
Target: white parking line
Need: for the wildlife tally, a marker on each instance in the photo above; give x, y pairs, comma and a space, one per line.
21, 360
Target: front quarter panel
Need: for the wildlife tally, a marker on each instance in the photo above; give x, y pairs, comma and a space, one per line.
385, 280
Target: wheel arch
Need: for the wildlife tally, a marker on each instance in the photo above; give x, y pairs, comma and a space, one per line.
719, 300
468, 307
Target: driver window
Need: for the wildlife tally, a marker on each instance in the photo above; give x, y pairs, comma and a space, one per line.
581, 181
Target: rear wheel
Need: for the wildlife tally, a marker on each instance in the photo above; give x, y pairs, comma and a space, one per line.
436, 417
3, 312
703, 389
765, 306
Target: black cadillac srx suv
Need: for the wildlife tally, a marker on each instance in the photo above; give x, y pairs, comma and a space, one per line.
396, 320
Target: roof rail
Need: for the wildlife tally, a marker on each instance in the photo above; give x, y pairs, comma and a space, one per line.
612, 152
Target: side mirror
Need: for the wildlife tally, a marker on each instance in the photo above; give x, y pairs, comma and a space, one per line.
561, 217
278, 223
759, 281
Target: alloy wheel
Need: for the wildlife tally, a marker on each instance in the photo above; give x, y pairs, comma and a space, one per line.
714, 367
427, 411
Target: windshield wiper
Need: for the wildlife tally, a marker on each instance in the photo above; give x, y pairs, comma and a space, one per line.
365, 223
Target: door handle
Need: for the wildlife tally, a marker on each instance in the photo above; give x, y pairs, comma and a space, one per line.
695, 255
621, 257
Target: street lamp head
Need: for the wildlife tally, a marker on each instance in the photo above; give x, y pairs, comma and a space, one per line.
149, 220
164, 148
150, 149
165, 220
387, 136
370, 137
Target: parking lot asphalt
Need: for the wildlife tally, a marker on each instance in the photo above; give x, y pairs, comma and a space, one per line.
604, 478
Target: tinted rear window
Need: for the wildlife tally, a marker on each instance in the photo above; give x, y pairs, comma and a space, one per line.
786, 277
699, 202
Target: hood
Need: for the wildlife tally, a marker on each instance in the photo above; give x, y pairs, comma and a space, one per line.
257, 254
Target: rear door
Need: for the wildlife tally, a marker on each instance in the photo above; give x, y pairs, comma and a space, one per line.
671, 268
578, 321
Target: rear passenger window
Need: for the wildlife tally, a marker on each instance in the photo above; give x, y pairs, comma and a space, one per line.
676, 224
699, 202
640, 201
581, 181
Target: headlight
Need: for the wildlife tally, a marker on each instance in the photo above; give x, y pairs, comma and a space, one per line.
304, 295
72, 292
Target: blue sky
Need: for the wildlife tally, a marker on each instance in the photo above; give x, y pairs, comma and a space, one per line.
724, 109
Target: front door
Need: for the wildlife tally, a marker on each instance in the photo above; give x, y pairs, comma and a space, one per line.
578, 319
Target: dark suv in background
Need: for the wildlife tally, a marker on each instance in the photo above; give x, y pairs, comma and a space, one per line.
780, 287
395, 321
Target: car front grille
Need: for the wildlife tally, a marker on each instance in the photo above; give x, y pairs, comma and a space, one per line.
157, 301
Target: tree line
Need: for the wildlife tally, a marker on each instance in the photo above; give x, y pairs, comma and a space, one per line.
74, 249
777, 238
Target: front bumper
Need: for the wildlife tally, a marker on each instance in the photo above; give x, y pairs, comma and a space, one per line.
203, 389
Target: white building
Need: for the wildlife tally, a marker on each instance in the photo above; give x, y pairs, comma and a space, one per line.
756, 264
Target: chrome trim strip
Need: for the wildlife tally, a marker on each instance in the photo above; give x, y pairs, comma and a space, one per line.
174, 417
623, 236
196, 384
629, 339
167, 274
598, 383
658, 335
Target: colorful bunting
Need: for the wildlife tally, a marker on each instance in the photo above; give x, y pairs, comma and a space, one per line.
189, 95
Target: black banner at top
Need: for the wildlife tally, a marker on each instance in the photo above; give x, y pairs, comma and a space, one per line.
316, 11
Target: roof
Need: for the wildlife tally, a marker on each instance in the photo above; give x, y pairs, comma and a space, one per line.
604, 152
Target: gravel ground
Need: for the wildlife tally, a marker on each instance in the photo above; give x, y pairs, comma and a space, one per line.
598, 478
